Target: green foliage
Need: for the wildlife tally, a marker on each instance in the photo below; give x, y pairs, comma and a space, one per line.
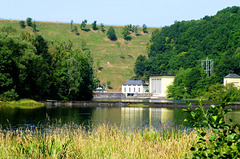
83, 25
190, 83
34, 26
144, 28
8, 29
94, 25
109, 85
22, 24
102, 27
52, 32
31, 67
29, 21
71, 25
75, 30
139, 67
224, 139
184, 44
218, 92
126, 32
9, 95
111, 34
135, 29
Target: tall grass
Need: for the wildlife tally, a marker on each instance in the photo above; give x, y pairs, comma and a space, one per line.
104, 141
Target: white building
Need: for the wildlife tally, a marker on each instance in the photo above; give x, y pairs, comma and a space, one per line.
133, 87
232, 78
158, 84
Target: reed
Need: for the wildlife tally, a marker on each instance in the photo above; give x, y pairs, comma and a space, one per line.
104, 141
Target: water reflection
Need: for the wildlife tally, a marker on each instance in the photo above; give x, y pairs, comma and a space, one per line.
120, 116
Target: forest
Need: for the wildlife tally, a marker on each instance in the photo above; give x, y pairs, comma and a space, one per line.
179, 49
31, 67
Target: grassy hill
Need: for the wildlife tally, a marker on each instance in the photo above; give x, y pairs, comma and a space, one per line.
116, 58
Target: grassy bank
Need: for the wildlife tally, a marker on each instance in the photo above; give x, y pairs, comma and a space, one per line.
115, 58
103, 142
23, 104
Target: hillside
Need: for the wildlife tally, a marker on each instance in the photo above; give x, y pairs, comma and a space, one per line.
181, 48
184, 44
116, 58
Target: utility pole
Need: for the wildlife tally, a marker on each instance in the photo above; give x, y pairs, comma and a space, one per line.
207, 65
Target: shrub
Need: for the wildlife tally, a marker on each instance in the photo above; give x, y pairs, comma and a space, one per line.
223, 142
9, 95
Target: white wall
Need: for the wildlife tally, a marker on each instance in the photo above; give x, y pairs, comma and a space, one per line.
162, 87
235, 81
138, 89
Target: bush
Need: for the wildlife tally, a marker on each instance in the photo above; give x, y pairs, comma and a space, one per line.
29, 22
22, 24
9, 95
223, 142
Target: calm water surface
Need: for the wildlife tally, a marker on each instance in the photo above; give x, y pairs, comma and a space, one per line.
12, 118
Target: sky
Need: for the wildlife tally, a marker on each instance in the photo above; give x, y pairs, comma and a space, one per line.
153, 13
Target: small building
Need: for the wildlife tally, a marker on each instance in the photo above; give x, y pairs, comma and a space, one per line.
158, 84
232, 78
133, 87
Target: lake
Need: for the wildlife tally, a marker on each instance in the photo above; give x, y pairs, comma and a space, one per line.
128, 117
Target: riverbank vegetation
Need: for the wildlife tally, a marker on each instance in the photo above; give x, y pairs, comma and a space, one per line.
224, 139
23, 104
180, 48
104, 141
31, 67
138, 105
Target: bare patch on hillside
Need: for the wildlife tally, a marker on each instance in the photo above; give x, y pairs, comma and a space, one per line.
143, 33
69, 31
95, 31
106, 39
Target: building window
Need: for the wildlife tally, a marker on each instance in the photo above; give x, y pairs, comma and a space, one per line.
125, 90
129, 89
139, 90
156, 85
134, 89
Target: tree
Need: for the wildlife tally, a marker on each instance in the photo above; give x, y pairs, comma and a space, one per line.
75, 30
42, 48
83, 24
94, 25
126, 32
135, 29
34, 26
22, 24
29, 21
71, 24
111, 33
102, 27
139, 67
144, 28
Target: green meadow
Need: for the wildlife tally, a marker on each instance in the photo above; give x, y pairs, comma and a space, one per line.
116, 58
